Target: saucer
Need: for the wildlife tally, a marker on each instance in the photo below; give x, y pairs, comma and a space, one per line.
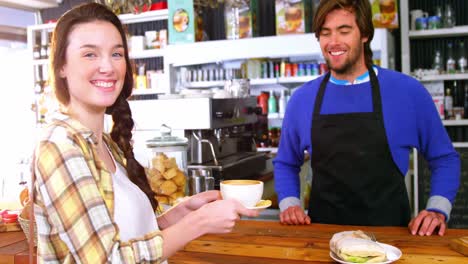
262, 204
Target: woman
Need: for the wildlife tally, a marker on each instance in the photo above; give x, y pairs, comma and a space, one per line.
93, 201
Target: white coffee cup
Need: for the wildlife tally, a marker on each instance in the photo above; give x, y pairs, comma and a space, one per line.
416, 13
247, 192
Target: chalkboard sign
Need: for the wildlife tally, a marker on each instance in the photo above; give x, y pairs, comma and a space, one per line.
459, 215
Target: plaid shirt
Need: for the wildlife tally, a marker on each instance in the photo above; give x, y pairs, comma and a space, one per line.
74, 201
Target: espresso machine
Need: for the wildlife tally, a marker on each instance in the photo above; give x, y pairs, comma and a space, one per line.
225, 148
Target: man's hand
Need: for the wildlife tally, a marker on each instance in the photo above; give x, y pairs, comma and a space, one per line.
426, 223
294, 215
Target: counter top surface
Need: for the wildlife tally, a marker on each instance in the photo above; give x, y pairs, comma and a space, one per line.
269, 242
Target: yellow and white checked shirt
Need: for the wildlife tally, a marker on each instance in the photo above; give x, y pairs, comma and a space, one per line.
74, 201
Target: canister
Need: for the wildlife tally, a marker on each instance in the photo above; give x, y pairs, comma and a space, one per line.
167, 173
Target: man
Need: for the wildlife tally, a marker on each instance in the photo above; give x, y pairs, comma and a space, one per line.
359, 123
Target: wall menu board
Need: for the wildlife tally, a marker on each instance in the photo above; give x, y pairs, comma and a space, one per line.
459, 216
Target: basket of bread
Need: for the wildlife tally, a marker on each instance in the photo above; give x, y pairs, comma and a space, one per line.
361, 247
25, 216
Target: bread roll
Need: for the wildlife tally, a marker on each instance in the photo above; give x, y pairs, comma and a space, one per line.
168, 188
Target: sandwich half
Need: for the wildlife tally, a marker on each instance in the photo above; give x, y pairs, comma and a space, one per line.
356, 247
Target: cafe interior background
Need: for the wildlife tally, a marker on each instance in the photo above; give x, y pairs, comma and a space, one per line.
213, 79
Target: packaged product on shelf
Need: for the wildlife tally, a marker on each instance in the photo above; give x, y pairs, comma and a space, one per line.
181, 21
293, 16
239, 17
436, 90
151, 39
385, 13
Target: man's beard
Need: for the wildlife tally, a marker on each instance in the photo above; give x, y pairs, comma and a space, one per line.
348, 65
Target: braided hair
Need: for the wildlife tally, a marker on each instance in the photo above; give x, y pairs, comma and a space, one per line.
122, 134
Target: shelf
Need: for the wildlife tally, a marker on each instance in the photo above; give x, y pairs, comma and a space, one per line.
282, 80
462, 122
297, 79
435, 33
49, 26
445, 77
259, 47
460, 144
270, 149
150, 53
144, 91
283, 46
207, 84
144, 17
125, 18
263, 81
41, 62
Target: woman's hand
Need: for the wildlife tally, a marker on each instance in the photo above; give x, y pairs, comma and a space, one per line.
188, 205
198, 200
221, 216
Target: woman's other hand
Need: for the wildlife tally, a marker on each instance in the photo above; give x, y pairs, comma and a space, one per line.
221, 216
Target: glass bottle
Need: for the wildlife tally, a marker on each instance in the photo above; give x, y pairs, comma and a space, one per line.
451, 68
448, 102
438, 64
462, 62
449, 16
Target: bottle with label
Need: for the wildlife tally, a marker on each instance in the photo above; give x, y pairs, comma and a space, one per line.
272, 106
462, 61
141, 77
451, 67
448, 103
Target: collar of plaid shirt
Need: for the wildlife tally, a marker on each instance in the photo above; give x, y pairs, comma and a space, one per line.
102, 176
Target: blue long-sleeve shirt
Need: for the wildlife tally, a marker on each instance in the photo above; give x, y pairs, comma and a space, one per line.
410, 118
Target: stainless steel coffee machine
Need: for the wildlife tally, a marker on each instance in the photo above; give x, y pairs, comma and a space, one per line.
225, 149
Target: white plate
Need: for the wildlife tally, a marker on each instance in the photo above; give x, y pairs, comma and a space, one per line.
261, 205
393, 254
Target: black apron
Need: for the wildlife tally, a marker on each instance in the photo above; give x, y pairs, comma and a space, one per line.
355, 179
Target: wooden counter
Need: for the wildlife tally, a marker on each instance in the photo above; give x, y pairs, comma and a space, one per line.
270, 242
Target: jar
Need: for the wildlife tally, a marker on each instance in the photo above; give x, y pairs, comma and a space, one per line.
238, 88
238, 19
167, 173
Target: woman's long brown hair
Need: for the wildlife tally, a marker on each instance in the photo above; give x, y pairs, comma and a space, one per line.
121, 114
363, 13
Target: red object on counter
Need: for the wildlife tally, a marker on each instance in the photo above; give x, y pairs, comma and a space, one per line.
8, 217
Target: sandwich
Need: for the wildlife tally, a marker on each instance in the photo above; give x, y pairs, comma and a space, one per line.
357, 247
